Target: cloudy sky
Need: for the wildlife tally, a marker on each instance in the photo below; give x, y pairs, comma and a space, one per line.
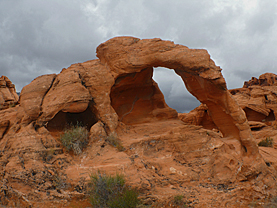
43, 36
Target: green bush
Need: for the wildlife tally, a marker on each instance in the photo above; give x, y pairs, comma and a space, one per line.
178, 199
75, 138
113, 140
268, 142
111, 191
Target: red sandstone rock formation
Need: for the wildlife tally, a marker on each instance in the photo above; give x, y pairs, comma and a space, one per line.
267, 79
8, 95
116, 94
257, 98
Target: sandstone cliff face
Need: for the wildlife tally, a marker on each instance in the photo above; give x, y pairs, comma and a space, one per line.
116, 95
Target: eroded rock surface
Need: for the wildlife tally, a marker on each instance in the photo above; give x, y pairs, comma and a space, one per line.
8, 95
115, 95
257, 98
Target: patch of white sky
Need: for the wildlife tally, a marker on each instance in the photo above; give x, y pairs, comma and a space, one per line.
92, 11
115, 18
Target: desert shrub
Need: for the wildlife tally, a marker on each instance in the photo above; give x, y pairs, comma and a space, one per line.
113, 140
268, 142
111, 191
178, 199
75, 138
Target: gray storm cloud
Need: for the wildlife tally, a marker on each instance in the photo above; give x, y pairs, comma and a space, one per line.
42, 37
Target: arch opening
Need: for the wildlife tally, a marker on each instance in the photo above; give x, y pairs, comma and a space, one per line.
136, 98
174, 90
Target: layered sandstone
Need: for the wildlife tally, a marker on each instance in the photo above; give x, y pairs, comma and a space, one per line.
8, 95
257, 98
267, 79
116, 95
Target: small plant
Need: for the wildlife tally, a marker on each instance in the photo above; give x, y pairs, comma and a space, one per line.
75, 138
111, 191
48, 154
268, 142
113, 140
178, 199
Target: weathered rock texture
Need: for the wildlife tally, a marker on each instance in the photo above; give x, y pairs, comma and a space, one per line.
116, 95
201, 76
8, 95
257, 98
267, 79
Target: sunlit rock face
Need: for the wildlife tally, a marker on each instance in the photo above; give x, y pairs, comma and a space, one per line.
257, 98
118, 87
203, 79
116, 97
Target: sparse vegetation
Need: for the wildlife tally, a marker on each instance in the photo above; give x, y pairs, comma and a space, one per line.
113, 140
75, 138
178, 201
268, 142
111, 191
48, 154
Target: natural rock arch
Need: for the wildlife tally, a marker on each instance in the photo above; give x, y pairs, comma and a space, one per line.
203, 79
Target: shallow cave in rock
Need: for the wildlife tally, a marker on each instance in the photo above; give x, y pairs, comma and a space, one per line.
256, 116
63, 120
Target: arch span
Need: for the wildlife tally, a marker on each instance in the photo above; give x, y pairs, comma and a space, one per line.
203, 79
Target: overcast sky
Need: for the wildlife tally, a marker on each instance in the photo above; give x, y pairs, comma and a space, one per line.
43, 36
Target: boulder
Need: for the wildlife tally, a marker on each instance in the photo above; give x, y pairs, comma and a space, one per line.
32, 95
97, 131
